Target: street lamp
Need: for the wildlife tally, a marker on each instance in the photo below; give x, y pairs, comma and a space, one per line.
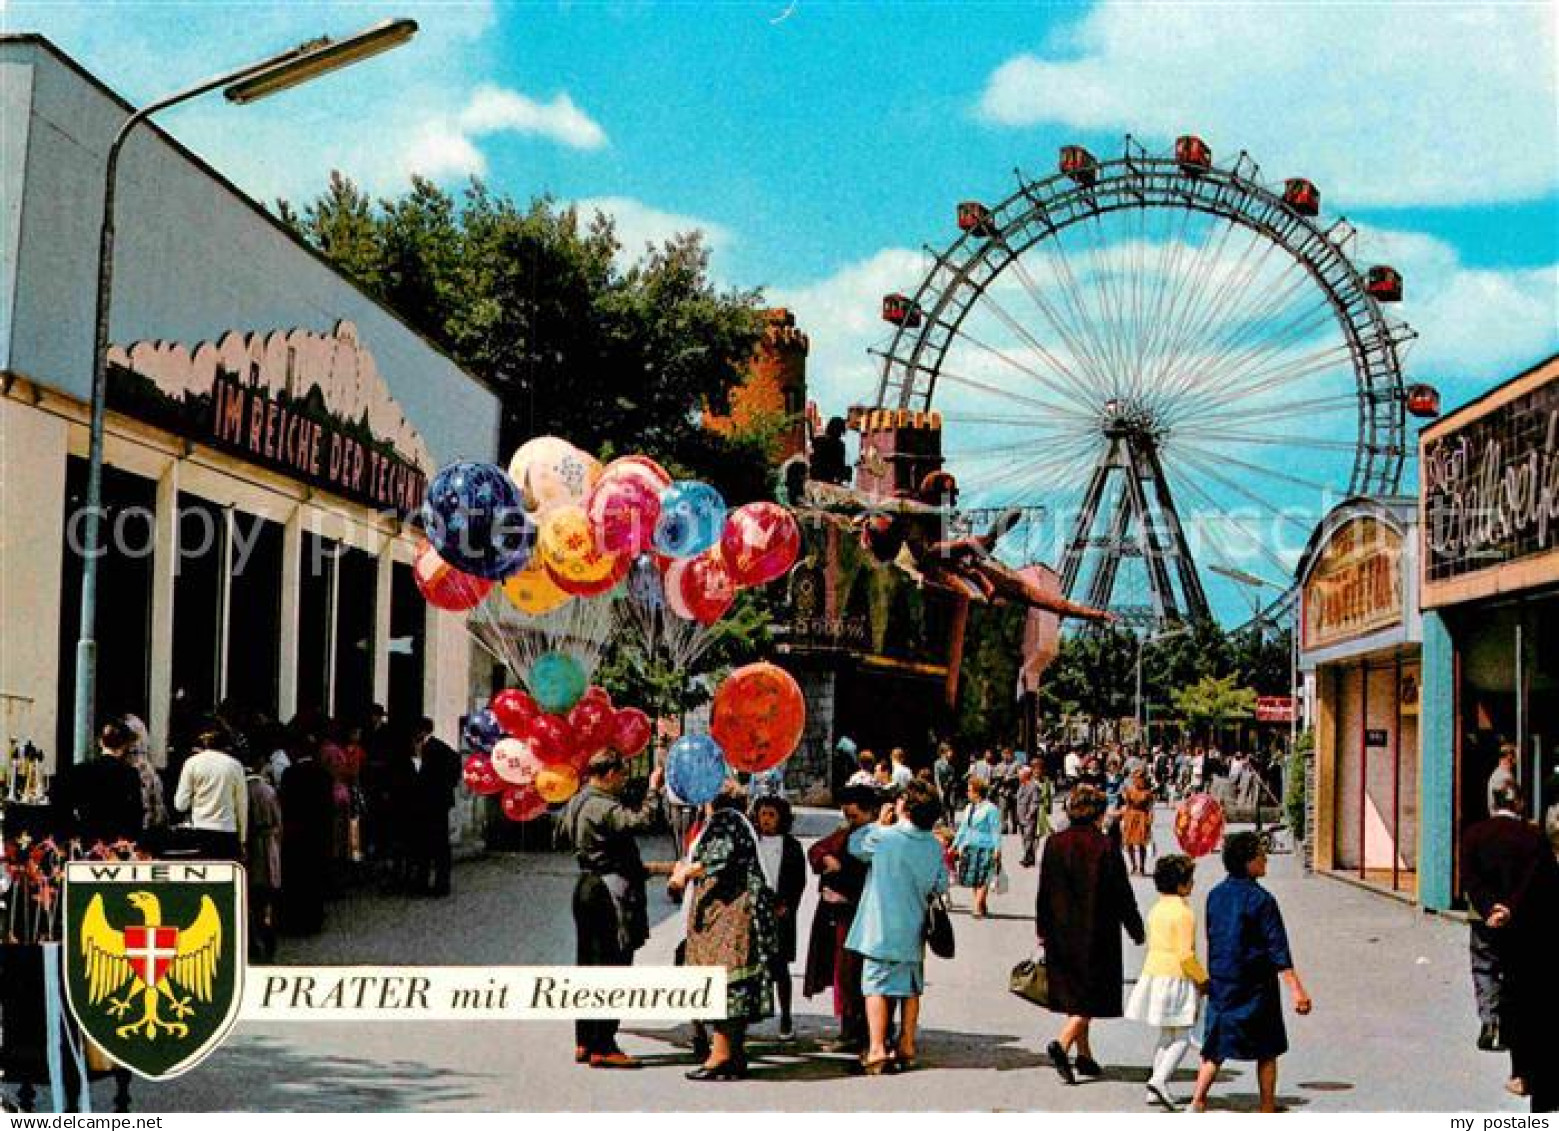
244, 85
1143, 642
1253, 586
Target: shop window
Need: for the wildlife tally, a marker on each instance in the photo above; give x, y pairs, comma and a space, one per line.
254, 614
356, 597
407, 644
316, 586
124, 591
198, 591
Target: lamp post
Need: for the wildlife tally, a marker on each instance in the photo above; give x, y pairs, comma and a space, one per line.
244, 85
1143, 642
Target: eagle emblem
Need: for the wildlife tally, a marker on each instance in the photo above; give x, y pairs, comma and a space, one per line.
154, 959
151, 962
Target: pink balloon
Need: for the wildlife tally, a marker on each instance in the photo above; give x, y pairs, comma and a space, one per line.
523, 804
623, 510
514, 760
760, 543
700, 588
642, 468
631, 729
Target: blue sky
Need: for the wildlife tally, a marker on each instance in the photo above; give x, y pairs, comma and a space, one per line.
820, 145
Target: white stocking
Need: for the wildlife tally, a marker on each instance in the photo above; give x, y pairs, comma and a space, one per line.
1173, 1044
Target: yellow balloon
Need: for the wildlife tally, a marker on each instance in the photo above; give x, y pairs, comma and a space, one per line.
533, 591
557, 783
550, 472
567, 547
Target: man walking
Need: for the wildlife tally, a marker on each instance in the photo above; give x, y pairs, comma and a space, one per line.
1512, 882
945, 776
427, 780
213, 792
611, 919
1482, 941
1026, 805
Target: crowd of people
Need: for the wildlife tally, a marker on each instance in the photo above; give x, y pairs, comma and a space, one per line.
310, 807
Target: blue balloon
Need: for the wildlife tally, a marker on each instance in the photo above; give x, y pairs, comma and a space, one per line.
645, 586
474, 519
695, 768
692, 518
557, 682
482, 731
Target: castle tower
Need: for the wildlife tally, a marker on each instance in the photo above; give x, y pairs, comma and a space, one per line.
899, 448
774, 395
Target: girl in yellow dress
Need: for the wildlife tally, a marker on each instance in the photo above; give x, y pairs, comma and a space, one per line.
1172, 981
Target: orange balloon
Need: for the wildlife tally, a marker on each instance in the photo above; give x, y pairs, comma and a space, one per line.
568, 549
758, 716
534, 591
557, 783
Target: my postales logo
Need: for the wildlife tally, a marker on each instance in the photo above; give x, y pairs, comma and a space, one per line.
155, 959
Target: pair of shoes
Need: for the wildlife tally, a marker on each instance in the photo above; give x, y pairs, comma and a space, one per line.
581, 1055
787, 1030
876, 1066
727, 1070
1161, 1096
903, 1063
1058, 1058
614, 1059
701, 1048
1088, 1066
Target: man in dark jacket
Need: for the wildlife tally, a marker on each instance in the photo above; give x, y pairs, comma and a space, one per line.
1084, 902
101, 799
611, 918
1512, 882
1026, 806
425, 794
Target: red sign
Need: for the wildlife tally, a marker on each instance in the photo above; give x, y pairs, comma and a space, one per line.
1275, 709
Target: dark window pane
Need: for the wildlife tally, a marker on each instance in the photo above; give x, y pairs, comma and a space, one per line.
197, 613
355, 602
124, 597
254, 638
408, 622
315, 578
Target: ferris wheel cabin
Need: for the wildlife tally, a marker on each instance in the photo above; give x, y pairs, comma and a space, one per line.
1423, 400
1193, 154
975, 219
1384, 284
1079, 164
1302, 196
900, 310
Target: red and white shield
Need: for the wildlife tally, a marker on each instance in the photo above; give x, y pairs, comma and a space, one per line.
151, 950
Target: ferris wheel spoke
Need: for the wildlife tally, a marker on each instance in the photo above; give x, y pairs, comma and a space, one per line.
1214, 458
1286, 410
1079, 389
1219, 513
1112, 303
1064, 326
1273, 439
1208, 467
1193, 310
1028, 401
1283, 337
1273, 378
1172, 252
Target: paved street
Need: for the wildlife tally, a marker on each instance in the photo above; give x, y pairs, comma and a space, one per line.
1392, 1029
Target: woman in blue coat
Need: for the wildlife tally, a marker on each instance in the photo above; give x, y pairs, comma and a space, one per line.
977, 844
889, 928
1247, 953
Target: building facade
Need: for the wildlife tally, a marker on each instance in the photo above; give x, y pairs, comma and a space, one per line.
270, 429
1360, 637
1489, 501
772, 397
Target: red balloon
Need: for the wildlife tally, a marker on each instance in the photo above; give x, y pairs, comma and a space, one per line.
592, 720
523, 804
442, 585
1199, 824
480, 777
623, 510
620, 566
757, 717
642, 468
700, 588
631, 730
550, 738
760, 543
514, 708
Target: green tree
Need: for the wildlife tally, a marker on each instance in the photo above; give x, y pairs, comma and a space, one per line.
1262, 659
1212, 701
537, 301
1095, 674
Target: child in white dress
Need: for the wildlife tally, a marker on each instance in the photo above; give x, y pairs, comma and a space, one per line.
1169, 989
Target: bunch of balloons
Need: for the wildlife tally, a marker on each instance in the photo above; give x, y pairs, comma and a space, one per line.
1199, 824
535, 757
755, 724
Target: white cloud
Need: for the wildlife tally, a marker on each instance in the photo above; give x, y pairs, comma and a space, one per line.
1386, 104
495, 110
640, 225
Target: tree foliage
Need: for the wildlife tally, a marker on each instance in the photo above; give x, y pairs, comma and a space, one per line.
537, 300
1213, 700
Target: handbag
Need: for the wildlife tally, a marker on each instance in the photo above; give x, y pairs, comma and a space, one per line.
939, 927
1000, 885
1030, 980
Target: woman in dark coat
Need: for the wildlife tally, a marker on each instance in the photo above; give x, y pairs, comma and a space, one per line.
1247, 952
307, 798
1085, 899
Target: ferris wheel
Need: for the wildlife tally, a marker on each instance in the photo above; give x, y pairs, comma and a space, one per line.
1177, 359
